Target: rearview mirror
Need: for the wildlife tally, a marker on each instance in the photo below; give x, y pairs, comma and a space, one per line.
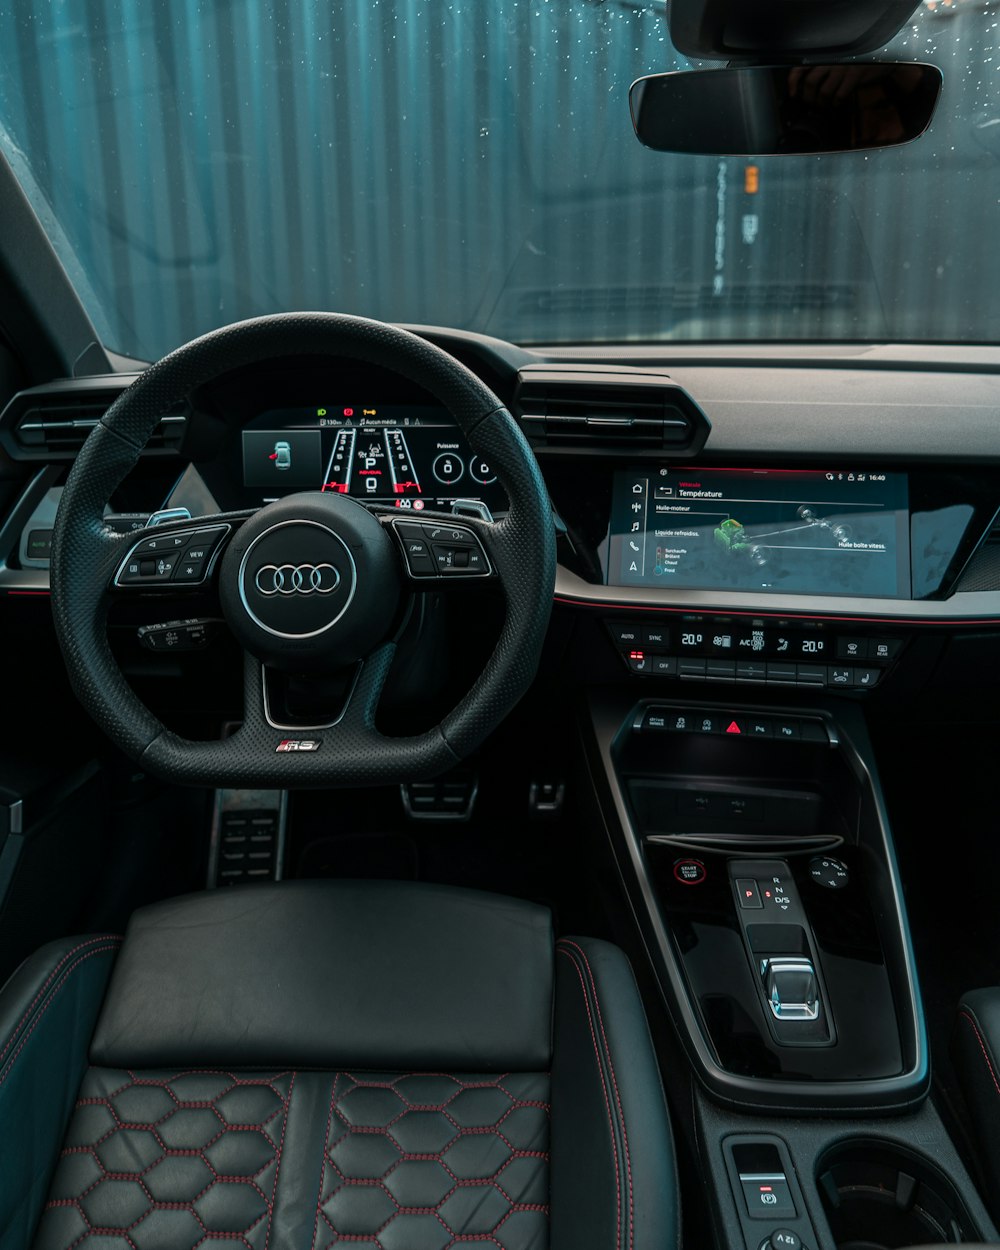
779, 110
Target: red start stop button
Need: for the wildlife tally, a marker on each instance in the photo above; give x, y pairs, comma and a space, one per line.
690, 871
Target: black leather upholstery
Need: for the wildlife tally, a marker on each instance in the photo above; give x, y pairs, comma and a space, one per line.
559, 1133
212, 979
976, 1048
439, 1157
613, 1181
47, 1014
164, 1158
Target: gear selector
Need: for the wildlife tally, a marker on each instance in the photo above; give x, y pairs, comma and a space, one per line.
791, 988
781, 949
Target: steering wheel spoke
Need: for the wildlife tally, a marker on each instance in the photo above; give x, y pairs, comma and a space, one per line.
439, 551
179, 559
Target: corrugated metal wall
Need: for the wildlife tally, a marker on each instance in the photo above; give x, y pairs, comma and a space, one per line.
471, 163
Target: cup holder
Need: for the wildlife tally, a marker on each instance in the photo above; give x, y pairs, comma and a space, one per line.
881, 1196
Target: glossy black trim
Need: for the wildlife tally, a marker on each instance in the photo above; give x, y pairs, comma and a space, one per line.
611, 716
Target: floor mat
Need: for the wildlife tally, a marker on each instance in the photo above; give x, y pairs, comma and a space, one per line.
361, 856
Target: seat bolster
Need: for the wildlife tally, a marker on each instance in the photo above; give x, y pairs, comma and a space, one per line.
48, 1009
613, 1172
976, 1051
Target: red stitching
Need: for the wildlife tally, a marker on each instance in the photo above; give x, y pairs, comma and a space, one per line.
65, 977
102, 1232
190, 1204
604, 1089
277, 1163
48, 980
333, 1181
614, 1082
326, 1158
982, 1047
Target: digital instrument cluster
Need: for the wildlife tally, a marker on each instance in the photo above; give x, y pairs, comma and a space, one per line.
405, 456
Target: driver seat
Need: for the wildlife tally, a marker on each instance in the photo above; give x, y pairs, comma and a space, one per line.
388, 1065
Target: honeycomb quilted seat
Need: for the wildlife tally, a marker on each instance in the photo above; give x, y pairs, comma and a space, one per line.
384, 1066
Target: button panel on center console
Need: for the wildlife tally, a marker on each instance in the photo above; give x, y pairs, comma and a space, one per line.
717, 722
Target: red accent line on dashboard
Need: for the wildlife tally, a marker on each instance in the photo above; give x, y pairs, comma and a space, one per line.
711, 468
29, 593
971, 622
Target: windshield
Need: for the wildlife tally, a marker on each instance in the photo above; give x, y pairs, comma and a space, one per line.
472, 164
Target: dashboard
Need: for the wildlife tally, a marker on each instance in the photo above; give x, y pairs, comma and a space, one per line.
796, 489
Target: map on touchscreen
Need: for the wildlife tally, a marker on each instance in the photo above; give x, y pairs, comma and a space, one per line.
811, 532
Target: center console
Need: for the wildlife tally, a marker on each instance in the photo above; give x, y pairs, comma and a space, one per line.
753, 842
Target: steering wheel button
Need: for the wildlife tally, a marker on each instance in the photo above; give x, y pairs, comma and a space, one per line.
189, 570
447, 534
444, 558
157, 546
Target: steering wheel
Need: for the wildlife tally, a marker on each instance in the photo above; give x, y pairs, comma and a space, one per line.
313, 584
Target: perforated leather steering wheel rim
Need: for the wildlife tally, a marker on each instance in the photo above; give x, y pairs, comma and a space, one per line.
86, 554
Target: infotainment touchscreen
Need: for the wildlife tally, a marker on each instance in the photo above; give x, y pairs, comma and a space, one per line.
801, 532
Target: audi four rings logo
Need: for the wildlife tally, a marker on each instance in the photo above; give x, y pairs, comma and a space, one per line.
301, 579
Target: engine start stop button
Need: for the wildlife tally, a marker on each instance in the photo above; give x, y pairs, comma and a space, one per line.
690, 871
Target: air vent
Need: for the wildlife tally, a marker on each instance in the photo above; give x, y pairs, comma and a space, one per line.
53, 423
592, 410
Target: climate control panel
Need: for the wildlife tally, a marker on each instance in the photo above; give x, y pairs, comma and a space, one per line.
723, 650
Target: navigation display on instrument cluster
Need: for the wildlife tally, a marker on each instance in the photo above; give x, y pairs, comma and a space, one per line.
405, 456
819, 532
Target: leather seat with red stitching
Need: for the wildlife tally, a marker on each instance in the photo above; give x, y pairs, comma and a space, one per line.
387, 1065
976, 1052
